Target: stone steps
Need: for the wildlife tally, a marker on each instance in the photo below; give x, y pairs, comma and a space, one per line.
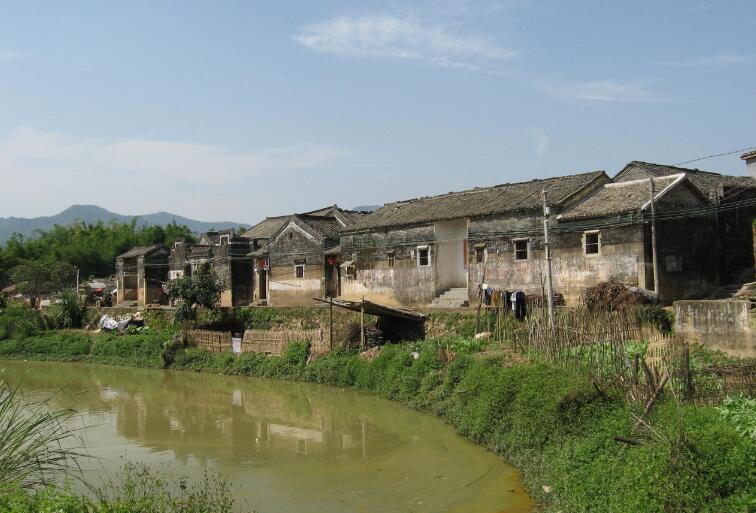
452, 298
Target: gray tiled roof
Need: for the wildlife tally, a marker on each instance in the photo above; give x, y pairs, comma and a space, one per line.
618, 198
265, 228
140, 251
481, 201
707, 181
268, 227
325, 226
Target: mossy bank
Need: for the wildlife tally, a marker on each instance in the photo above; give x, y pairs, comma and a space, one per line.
548, 421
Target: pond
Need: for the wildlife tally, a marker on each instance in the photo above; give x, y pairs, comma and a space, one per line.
285, 447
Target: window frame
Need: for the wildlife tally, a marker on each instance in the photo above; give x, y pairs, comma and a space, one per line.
391, 259
420, 249
483, 251
515, 250
297, 267
597, 244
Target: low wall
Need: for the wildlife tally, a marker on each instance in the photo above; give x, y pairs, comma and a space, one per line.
727, 326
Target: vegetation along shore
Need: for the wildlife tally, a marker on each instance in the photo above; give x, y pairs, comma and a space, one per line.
579, 447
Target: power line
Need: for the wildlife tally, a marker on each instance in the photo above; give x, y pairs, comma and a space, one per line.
715, 155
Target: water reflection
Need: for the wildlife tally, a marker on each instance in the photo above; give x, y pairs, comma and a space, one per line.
285, 446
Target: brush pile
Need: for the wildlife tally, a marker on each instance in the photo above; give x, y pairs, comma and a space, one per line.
612, 295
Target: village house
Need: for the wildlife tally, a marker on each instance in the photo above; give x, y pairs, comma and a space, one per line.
440, 250
227, 256
730, 202
297, 256
428, 250
141, 276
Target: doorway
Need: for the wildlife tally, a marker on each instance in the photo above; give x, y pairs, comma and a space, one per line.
451, 258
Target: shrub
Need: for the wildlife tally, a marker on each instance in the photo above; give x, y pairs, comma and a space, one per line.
741, 412
657, 316
69, 311
19, 321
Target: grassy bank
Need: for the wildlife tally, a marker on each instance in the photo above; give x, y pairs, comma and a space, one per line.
136, 489
548, 421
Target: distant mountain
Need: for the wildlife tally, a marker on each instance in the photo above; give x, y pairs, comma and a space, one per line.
367, 208
92, 214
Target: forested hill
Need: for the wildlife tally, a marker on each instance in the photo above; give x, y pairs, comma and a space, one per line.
91, 214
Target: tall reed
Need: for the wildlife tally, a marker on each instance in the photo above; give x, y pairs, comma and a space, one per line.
37, 443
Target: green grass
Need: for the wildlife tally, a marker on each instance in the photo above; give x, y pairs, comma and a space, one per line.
48, 345
137, 350
135, 490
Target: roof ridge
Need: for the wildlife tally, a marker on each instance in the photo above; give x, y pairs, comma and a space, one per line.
491, 187
683, 169
639, 180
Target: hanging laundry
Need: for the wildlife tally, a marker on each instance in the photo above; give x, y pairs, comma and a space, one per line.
521, 305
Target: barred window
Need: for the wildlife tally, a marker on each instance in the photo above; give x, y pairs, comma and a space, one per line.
521, 249
592, 243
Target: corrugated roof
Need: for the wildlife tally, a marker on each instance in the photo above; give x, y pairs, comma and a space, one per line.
619, 198
481, 201
708, 181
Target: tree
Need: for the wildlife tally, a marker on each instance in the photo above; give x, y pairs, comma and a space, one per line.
202, 288
92, 248
37, 277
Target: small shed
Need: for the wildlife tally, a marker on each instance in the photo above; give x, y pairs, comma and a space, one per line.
395, 323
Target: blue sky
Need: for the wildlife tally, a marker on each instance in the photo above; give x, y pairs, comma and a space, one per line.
238, 110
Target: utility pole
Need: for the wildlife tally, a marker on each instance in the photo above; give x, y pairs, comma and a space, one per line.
547, 249
654, 260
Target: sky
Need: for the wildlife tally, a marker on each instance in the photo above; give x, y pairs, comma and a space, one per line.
234, 111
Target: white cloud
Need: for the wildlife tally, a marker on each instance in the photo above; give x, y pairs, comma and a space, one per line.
9, 55
607, 91
541, 141
139, 175
717, 60
401, 38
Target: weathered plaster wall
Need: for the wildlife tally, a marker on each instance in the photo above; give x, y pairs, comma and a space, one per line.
293, 246
405, 283
727, 326
285, 289
620, 257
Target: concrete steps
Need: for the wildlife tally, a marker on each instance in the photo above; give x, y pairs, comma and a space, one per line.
452, 298
731, 289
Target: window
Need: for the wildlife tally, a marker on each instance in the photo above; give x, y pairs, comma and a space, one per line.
299, 271
391, 259
291, 235
423, 256
592, 242
480, 254
521, 249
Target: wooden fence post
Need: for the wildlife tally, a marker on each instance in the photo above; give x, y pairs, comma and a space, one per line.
362, 325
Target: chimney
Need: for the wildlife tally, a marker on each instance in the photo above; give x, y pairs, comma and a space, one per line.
750, 160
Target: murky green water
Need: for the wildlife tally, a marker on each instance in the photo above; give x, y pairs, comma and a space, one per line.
286, 447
